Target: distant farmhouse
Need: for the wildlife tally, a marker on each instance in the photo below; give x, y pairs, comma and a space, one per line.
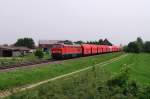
47, 44
10, 51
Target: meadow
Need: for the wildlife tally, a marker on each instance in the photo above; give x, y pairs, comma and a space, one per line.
22, 77
16, 60
127, 78
78, 86
139, 67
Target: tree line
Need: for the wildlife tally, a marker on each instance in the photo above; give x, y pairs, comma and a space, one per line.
99, 42
25, 42
138, 46
29, 42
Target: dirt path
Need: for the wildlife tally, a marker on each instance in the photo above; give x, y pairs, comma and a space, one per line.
15, 90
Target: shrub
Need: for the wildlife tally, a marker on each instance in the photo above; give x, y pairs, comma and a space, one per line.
147, 46
39, 53
125, 48
144, 93
133, 47
120, 79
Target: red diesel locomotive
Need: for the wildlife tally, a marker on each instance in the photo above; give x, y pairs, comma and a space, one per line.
63, 51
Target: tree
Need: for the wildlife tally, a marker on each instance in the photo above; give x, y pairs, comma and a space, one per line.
39, 53
25, 42
140, 43
106, 42
68, 42
147, 46
133, 47
125, 48
79, 42
87, 42
100, 41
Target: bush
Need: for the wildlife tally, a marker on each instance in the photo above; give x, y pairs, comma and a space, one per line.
138, 46
133, 47
119, 79
147, 46
39, 53
145, 93
125, 48
140, 43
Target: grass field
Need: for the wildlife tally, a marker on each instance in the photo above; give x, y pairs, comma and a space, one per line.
14, 60
91, 84
139, 67
78, 86
27, 76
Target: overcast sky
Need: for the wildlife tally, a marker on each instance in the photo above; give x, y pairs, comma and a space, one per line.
120, 21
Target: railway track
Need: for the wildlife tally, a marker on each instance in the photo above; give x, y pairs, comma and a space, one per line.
31, 64
25, 64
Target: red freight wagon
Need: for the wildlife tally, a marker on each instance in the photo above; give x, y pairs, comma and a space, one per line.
107, 48
104, 48
110, 48
114, 48
100, 49
66, 51
118, 48
86, 49
94, 49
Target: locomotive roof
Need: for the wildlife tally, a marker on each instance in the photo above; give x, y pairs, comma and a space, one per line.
71, 45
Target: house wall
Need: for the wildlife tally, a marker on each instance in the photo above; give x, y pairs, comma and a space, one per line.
16, 53
1, 53
9, 53
6, 53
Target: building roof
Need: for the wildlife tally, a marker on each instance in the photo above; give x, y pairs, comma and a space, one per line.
7, 47
22, 48
14, 48
49, 41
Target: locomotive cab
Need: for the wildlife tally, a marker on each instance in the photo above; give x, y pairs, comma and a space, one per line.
56, 51
64, 51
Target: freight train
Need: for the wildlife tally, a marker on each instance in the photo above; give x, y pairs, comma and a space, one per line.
63, 51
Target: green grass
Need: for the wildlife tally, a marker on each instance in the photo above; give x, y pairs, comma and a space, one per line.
139, 67
14, 60
9, 60
27, 76
83, 85
92, 84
